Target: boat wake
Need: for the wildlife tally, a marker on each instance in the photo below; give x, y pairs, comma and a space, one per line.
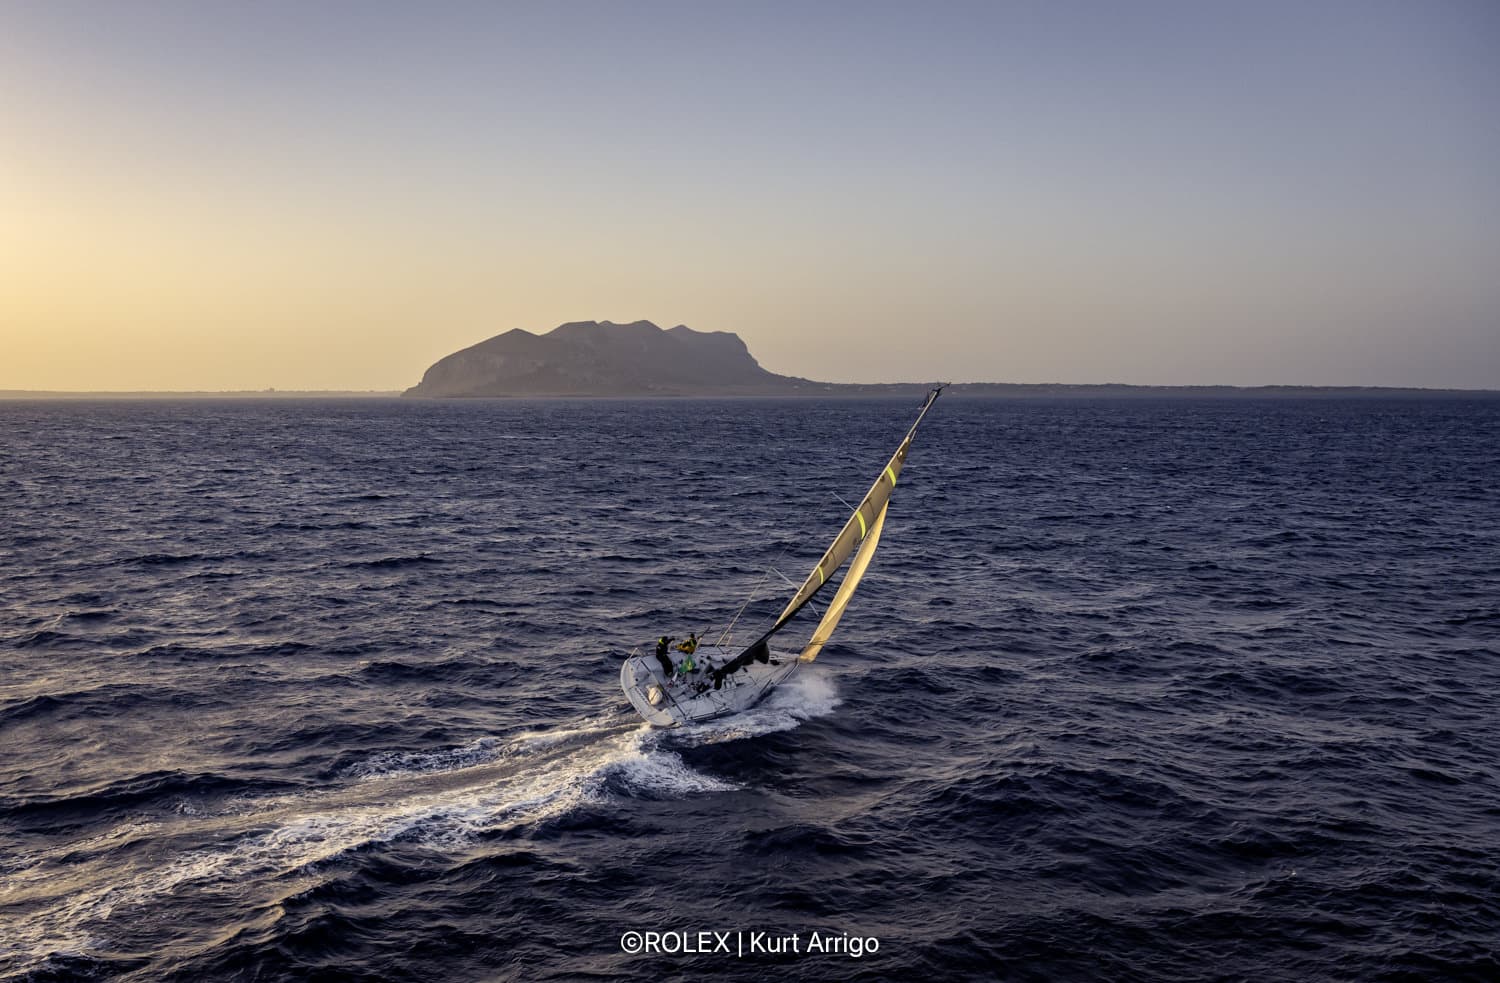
84, 896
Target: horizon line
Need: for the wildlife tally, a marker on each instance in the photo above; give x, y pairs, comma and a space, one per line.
273, 393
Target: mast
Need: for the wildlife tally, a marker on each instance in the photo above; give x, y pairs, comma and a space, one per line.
859, 524
866, 520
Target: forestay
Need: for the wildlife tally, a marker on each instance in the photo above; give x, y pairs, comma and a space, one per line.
862, 527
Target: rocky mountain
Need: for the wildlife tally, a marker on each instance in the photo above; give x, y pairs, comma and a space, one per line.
601, 358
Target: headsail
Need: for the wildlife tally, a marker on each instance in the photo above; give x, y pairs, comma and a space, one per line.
835, 611
871, 507
863, 527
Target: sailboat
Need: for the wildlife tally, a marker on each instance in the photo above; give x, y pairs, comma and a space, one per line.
669, 690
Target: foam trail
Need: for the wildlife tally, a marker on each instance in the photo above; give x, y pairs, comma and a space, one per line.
483, 750
437, 799
292, 840
400, 764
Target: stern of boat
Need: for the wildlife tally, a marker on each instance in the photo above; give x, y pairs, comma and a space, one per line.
645, 691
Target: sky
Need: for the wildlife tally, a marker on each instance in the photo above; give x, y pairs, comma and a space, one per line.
333, 195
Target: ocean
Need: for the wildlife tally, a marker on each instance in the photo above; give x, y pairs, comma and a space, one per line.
1136, 689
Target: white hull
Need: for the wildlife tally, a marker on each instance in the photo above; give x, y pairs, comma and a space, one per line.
692, 699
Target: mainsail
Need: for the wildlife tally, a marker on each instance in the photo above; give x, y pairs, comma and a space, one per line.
864, 528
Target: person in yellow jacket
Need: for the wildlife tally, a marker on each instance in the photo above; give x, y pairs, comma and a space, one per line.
689, 644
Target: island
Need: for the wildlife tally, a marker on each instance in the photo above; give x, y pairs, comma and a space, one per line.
602, 358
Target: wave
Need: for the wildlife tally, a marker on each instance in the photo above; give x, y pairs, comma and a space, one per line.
135, 792
99, 701
164, 559
393, 562
46, 638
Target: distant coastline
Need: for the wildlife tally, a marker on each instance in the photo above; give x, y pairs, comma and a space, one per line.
818, 390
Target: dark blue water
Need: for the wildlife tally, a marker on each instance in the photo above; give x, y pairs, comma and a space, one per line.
1134, 690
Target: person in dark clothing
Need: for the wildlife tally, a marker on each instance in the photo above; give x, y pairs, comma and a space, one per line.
662, 644
706, 676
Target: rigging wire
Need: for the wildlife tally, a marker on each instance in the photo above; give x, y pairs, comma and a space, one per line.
735, 620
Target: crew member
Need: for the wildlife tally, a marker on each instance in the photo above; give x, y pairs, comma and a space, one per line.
706, 667
689, 644
661, 655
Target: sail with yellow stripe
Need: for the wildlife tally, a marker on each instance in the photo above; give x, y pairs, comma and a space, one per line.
835, 611
857, 529
861, 532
